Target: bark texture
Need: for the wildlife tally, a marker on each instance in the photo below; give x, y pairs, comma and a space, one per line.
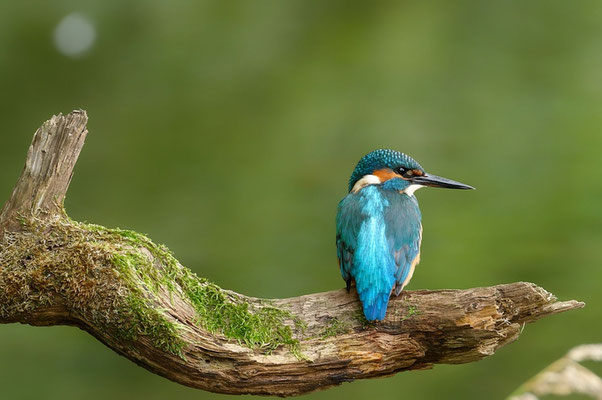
41, 189
135, 298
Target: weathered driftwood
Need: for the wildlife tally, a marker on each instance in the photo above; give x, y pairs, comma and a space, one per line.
565, 377
135, 298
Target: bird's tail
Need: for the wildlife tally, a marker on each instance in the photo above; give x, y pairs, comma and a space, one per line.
377, 309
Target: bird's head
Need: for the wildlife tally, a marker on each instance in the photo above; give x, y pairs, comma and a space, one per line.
396, 171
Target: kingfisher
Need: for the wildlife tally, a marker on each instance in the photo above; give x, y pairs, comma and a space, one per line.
379, 228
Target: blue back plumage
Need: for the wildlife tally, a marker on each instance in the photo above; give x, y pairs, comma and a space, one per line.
379, 228
378, 239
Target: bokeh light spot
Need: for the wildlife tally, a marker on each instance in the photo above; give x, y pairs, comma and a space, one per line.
74, 35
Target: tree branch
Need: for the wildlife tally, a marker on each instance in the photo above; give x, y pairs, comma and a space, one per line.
41, 189
137, 299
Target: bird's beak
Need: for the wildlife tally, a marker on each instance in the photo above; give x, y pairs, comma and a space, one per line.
437, 181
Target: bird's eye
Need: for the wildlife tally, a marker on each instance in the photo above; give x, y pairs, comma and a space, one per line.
408, 172
405, 172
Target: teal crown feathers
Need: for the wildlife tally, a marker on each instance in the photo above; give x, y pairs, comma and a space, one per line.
382, 158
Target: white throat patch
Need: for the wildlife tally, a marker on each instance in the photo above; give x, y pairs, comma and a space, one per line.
365, 181
411, 189
375, 180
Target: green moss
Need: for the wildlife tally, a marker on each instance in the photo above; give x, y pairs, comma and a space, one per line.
141, 314
261, 327
410, 312
143, 319
360, 318
120, 279
335, 327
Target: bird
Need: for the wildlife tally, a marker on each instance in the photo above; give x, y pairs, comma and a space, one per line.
379, 228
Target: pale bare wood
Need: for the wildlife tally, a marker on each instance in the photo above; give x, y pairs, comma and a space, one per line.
422, 328
41, 189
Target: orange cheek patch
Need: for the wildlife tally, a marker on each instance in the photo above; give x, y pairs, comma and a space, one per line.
385, 174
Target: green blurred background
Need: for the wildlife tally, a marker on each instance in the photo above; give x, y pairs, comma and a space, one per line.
228, 130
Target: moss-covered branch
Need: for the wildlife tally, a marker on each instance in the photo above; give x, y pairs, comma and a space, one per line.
121, 281
136, 298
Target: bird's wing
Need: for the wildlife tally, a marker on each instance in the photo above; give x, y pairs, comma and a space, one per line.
404, 234
363, 249
349, 221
